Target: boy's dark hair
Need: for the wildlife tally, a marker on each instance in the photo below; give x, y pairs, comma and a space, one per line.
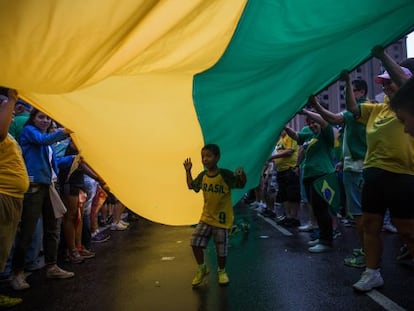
215, 149
404, 98
360, 84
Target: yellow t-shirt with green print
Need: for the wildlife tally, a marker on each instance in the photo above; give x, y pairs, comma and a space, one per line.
284, 143
388, 147
218, 207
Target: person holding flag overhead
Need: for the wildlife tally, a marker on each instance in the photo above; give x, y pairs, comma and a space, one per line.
354, 148
320, 181
388, 171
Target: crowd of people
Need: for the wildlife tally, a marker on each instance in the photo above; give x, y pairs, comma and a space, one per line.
357, 166
53, 205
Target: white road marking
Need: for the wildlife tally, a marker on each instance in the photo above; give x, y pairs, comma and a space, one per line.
379, 298
384, 302
275, 225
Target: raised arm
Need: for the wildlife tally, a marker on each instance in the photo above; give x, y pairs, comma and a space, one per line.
315, 117
188, 165
291, 133
90, 172
6, 112
333, 118
397, 75
351, 104
282, 154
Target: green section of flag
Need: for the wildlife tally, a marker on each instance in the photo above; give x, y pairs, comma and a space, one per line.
280, 53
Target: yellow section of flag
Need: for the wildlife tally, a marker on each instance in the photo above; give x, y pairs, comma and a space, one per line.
120, 76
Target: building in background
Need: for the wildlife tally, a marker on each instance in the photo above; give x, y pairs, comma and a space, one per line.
334, 95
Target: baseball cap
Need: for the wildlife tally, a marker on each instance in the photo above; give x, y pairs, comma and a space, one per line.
385, 76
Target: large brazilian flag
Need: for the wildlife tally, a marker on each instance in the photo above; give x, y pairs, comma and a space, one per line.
143, 84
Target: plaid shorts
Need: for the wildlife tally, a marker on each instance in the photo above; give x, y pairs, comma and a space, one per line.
203, 233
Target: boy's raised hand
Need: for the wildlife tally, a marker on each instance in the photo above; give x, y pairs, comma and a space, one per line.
188, 164
241, 177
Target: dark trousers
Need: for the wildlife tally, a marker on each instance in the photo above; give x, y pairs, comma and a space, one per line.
86, 231
37, 203
321, 210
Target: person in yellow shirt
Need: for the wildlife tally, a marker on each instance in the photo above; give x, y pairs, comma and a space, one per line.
388, 177
14, 182
217, 216
288, 194
403, 100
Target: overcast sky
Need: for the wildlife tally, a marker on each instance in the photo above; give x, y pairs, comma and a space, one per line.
410, 45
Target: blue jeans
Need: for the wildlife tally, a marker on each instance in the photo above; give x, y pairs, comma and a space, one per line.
353, 182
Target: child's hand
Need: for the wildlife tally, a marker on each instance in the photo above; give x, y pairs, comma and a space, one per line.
187, 164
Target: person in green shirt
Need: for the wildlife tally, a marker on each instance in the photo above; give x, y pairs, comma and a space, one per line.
354, 147
316, 164
21, 115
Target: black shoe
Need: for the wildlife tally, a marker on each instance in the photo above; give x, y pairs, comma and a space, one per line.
291, 223
294, 222
268, 213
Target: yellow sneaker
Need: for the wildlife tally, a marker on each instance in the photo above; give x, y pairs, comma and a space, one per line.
199, 277
7, 302
223, 278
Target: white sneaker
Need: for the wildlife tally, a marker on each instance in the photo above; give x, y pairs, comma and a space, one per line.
319, 248
260, 207
118, 227
368, 281
125, 223
313, 242
54, 272
18, 282
390, 228
306, 228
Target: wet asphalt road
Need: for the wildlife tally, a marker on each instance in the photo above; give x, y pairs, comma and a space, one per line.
150, 267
